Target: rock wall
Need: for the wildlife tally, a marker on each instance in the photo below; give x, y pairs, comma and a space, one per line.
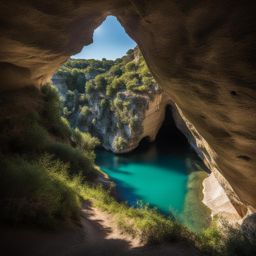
217, 200
201, 52
152, 121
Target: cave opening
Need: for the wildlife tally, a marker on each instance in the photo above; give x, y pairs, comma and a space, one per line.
111, 97
169, 138
110, 41
205, 47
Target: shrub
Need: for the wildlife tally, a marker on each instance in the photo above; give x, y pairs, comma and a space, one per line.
89, 87
80, 162
51, 114
116, 71
237, 243
84, 140
210, 239
100, 82
36, 192
225, 240
32, 139
132, 84
84, 112
130, 66
66, 112
130, 51
119, 143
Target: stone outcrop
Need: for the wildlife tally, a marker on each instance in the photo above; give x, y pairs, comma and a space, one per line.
201, 52
217, 200
151, 122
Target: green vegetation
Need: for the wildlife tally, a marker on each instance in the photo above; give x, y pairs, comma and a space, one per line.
76, 72
142, 222
37, 191
150, 226
114, 99
40, 158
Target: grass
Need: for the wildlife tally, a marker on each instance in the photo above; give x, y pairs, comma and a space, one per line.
143, 223
80, 162
38, 192
40, 159
42, 192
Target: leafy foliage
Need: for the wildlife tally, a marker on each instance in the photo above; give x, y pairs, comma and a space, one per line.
41, 157
115, 97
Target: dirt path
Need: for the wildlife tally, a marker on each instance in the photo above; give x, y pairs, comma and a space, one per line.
94, 238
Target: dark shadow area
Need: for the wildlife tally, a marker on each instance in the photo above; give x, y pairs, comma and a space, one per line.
169, 140
169, 136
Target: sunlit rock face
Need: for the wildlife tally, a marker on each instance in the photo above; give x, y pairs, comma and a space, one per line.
201, 52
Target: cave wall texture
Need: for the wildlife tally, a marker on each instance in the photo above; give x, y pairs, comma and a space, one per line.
202, 52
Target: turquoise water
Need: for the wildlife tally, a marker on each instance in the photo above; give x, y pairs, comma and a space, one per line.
160, 181
159, 174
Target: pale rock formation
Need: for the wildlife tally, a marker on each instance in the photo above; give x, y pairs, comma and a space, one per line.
216, 199
152, 121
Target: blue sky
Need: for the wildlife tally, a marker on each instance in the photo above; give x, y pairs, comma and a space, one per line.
110, 41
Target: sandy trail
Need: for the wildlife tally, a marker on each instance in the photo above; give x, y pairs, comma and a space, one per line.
95, 237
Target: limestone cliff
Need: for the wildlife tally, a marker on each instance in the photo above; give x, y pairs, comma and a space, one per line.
201, 52
151, 120
117, 101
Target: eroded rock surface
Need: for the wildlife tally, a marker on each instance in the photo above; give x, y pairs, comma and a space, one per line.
201, 52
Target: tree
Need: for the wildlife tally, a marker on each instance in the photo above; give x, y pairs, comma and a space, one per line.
129, 52
89, 86
100, 82
116, 71
119, 143
130, 66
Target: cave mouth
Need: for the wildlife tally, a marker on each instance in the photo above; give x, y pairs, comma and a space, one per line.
169, 138
164, 165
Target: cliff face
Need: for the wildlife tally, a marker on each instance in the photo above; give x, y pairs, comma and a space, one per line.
117, 101
151, 121
201, 52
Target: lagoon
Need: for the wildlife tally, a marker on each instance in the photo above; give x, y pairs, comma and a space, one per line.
166, 174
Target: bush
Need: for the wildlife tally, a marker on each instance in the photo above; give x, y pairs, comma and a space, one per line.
33, 139
36, 192
119, 143
51, 114
100, 82
84, 112
116, 71
132, 84
130, 66
84, 140
89, 87
237, 243
80, 162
